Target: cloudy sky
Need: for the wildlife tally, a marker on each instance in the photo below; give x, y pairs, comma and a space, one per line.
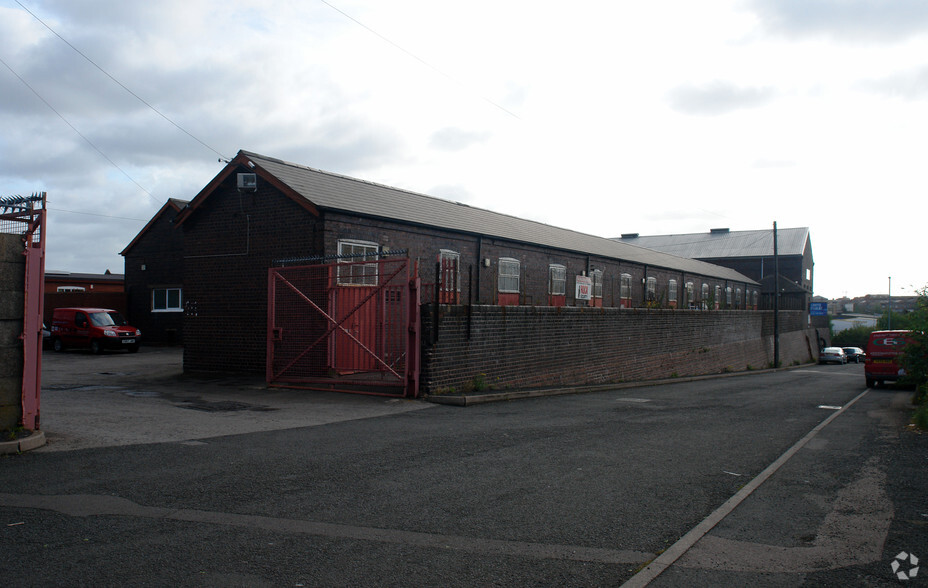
605, 117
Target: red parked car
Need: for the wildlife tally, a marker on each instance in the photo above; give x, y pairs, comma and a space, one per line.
95, 328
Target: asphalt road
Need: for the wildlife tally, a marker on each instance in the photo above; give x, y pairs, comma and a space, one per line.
234, 485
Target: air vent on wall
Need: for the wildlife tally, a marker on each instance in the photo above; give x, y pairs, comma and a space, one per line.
247, 182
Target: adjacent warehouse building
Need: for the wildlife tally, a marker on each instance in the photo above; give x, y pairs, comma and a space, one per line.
750, 253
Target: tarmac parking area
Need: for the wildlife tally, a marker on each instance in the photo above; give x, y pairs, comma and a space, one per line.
129, 398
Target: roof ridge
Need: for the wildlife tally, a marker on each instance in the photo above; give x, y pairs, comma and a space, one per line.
420, 194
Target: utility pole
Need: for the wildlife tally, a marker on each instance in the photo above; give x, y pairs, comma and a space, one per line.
776, 300
889, 305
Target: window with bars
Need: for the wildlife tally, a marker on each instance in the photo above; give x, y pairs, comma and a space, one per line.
672, 291
352, 270
690, 293
625, 286
557, 280
508, 275
652, 289
450, 262
597, 276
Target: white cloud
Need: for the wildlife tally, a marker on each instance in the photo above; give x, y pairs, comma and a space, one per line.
602, 117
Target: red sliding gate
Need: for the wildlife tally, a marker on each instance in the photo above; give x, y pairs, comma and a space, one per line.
351, 326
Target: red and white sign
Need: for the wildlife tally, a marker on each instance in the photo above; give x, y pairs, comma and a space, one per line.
584, 288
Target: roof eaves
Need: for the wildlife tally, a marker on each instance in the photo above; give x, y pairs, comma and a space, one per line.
174, 203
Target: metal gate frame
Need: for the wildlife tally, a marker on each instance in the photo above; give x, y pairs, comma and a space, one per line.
29, 215
287, 357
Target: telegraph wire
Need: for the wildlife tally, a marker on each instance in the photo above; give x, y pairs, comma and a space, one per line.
411, 54
73, 128
144, 220
121, 85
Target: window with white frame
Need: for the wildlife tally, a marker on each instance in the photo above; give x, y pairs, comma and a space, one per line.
690, 293
351, 257
167, 300
672, 291
597, 276
738, 298
625, 286
705, 292
508, 275
754, 299
728, 296
652, 289
557, 280
718, 296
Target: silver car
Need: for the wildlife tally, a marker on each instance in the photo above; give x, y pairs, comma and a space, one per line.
832, 355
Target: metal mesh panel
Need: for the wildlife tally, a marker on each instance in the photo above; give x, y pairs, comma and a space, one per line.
328, 332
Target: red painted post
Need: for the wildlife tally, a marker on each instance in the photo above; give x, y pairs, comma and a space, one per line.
32, 317
413, 337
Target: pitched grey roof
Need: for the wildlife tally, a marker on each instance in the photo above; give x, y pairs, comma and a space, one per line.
329, 191
724, 243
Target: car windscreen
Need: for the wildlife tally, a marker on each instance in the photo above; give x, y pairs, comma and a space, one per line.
118, 319
102, 319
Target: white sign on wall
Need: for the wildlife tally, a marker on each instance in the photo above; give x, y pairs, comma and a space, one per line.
584, 288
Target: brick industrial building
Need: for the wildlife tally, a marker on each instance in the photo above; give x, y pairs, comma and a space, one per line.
155, 275
261, 213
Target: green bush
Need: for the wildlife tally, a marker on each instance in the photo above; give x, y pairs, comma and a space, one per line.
921, 416
916, 357
853, 337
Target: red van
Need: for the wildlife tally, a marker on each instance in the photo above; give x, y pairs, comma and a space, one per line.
96, 328
884, 356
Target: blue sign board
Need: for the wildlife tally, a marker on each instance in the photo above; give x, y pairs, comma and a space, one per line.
818, 308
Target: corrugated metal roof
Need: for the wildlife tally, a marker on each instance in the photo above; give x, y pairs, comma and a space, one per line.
723, 243
342, 193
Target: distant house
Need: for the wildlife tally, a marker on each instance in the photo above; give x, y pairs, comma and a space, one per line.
259, 213
154, 262
751, 254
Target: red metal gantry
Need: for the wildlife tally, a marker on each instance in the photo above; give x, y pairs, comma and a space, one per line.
26, 216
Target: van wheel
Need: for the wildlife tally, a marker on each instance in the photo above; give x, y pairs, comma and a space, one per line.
870, 382
96, 347
58, 345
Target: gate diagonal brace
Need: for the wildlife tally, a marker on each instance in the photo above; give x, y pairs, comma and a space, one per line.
337, 325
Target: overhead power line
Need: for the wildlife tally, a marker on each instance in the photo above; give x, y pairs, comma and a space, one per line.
123, 86
79, 134
144, 220
411, 54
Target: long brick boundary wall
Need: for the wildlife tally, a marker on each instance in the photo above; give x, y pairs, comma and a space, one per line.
530, 347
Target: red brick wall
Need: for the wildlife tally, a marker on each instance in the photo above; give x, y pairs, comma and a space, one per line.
537, 347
